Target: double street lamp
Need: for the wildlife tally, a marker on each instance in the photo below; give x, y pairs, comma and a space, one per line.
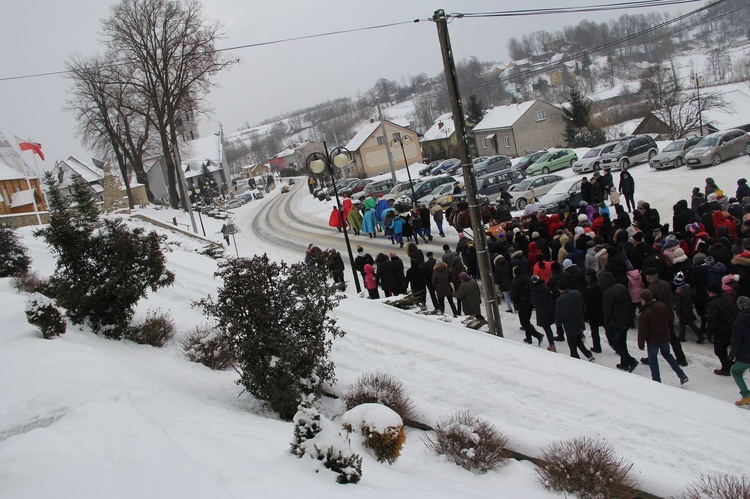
318, 162
400, 141
197, 192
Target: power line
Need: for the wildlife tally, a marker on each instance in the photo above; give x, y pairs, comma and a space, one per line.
569, 10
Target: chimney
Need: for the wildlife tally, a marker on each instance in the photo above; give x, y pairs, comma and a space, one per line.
372, 120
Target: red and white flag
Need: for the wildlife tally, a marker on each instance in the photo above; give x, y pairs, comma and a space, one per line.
27, 145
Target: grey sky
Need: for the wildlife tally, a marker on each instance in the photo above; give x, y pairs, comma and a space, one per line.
38, 36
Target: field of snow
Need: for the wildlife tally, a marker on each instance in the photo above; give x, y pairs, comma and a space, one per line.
83, 416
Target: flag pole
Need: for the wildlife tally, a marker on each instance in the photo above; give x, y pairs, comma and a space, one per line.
39, 172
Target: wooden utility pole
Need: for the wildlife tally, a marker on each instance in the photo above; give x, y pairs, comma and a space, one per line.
470, 181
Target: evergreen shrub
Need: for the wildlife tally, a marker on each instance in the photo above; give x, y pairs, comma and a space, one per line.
208, 346
718, 487
589, 468
42, 313
470, 442
381, 427
14, 259
380, 388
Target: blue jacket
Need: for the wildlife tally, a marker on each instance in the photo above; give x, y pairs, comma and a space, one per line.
570, 312
398, 225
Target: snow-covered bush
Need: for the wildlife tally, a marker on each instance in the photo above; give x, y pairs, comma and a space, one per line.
208, 346
318, 438
156, 330
13, 257
277, 318
29, 282
403, 204
589, 468
381, 427
470, 442
380, 388
42, 313
718, 487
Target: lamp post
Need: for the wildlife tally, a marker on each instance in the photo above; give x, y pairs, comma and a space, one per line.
190, 193
698, 79
230, 228
399, 140
316, 163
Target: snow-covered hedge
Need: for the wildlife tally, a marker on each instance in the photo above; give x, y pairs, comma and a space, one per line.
208, 346
42, 313
380, 388
381, 428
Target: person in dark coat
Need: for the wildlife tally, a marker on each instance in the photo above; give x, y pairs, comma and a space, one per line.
619, 312
362, 259
570, 313
653, 330
335, 265
683, 307
662, 292
607, 183
541, 299
616, 265
386, 276
585, 190
627, 189
413, 251
416, 281
740, 351
427, 268
575, 276
597, 190
720, 316
592, 298
455, 268
398, 271
503, 278
470, 297
520, 293
441, 279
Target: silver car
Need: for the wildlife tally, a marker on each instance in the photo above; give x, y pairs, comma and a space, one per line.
715, 148
674, 154
530, 188
591, 161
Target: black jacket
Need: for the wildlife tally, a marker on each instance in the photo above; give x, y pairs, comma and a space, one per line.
719, 316
520, 293
617, 308
592, 297
541, 298
570, 312
740, 350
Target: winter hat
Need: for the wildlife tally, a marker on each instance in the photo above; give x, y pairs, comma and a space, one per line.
567, 263
460, 235
579, 230
729, 278
679, 256
534, 235
710, 261
638, 236
656, 232
715, 288
652, 272
360, 249
464, 276
393, 255
679, 279
535, 279
699, 259
562, 285
582, 218
516, 230
696, 190
631, 231
590, 244
517, 254
743, 302
741, 181
711, 197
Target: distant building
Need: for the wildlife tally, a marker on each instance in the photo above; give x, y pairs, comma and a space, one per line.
66, 170
440, 138
16, 199
368, 148
516, 128
294, 157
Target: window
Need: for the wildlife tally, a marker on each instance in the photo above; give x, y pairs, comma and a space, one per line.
540, 115
484, 143
506, 142
381, 140
397, 135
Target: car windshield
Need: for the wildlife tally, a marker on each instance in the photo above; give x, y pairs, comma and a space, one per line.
593, 153
523, 186
561, 188
709, 141
543, 158
621, 147
677, 145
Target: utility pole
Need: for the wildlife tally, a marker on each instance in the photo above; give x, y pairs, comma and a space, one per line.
697, 79
470, 181
387, 144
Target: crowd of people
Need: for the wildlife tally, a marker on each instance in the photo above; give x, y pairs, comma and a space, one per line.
608, 267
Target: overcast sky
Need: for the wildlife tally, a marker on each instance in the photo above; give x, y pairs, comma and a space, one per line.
38, 36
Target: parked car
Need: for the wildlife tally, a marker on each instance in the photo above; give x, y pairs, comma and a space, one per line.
431, 197
341, 185
377, 188
530, 188
456, 169
291, 181
714, 148
356, 187
674, 154
421, 188
592, 160
444, 165
629, 152
479, 159
566, 191
552, 161
427, 169
492, 164
528, 160
490, 184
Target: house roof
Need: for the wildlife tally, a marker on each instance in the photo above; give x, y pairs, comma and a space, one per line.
366, 131
738, 114
504, 116
12, 165
8, 173
199, 150
436, 132
89, 173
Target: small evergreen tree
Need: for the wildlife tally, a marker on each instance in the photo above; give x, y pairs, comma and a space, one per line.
474, 111
579, 132
84, 202
13, 258
277, 318
207, 185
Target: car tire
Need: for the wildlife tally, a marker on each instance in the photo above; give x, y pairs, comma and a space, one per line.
521, 204
390, 203
597, 166
716, 159
747, 148
571, 162
483, 172
678, 162
545, 170
651, 154
624, 164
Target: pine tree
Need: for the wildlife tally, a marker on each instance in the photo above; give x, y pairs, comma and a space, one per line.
474, 111
85, 204
577, 117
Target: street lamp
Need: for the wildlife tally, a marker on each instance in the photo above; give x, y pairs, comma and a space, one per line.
316, 163
198, 208
232, 229
698, 79
399, 140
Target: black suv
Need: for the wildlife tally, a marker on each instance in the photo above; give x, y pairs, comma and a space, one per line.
629, 152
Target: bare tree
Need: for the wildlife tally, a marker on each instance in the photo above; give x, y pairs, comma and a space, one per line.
112, 118
170, 46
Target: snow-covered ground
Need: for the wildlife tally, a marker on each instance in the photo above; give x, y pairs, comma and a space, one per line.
83, 416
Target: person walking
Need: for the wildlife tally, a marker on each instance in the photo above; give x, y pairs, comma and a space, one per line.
371, 282
618, 313
570, 313
362, 259
470, 297
654, 331
427, 269
441, 279
541, 299
592, 298
520, 293
740, 351
683, 306
503, 279
627, 189
662, 291
720, 316
386, 276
